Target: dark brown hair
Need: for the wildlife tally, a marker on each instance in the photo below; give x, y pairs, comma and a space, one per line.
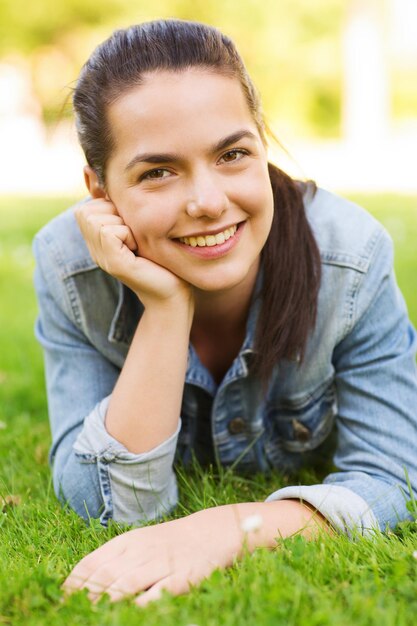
291, 259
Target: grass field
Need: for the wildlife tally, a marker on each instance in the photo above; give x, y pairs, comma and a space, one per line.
331, 581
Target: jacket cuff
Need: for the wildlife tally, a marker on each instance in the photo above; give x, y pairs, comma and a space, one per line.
343, 508
135, 487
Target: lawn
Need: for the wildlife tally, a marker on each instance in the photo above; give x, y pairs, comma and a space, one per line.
331, 581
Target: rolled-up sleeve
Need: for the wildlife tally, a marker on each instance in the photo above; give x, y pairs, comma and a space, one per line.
342, 507
376, 384
134, 487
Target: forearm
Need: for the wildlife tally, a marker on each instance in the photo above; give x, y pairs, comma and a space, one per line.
251, 525
272, 521
145, 404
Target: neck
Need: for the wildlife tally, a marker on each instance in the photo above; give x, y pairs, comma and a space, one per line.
219, 324
222, 311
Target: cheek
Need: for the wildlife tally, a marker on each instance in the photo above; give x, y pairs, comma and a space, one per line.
258, 197
149, 227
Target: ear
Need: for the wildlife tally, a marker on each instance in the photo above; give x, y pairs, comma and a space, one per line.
93, 184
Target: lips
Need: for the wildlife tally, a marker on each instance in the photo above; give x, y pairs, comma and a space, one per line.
203, 241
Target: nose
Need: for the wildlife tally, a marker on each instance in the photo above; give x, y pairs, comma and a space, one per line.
207, 198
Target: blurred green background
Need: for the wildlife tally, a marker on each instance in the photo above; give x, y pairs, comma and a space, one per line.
293, 48
338, 81
278, 40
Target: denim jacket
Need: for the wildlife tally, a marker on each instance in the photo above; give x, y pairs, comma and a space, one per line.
356, 387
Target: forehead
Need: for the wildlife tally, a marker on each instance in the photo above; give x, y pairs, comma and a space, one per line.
170, 110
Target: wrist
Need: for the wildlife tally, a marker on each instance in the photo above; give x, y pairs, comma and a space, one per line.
262, 524
173, 311
169, 323
181, 300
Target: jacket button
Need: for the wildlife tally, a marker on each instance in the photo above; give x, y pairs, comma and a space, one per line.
301, 432
236, 425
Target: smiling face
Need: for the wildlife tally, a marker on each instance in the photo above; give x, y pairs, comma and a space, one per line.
189, 176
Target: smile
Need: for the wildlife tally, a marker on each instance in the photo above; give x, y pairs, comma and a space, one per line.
209, 240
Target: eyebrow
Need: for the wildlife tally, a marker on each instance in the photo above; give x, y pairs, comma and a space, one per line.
171, 157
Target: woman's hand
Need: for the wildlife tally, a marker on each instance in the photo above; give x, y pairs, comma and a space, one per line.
172, 555
179, 554
113, 247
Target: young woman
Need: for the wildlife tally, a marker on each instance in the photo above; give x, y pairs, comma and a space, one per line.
201, 301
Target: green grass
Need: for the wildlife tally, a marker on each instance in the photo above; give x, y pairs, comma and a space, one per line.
331, 581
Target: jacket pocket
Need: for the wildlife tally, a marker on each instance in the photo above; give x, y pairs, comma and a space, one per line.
301, 422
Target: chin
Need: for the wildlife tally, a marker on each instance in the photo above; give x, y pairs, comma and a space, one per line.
220, 280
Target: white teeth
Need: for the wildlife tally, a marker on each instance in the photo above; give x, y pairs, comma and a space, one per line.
209, 240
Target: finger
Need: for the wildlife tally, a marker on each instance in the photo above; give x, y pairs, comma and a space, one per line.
121, 577
120, 232
173, 584
89, 219
91, 225
137, 579
97, 206
93, 222
89, 564
101, 569
104, 576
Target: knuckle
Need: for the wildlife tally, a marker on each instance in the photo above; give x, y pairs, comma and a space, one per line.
106, 230
95, 581
90, 220
125, 586
87, 564
80, 573
104, 575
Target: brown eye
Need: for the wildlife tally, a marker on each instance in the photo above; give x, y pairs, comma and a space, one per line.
155, 174
234, 155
